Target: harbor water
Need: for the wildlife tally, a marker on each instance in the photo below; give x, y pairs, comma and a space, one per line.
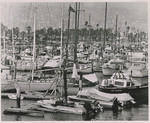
139, 112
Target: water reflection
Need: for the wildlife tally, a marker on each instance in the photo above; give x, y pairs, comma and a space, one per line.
17, 118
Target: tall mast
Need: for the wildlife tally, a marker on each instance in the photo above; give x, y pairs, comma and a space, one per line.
4, 40
116, 30
89, 27
105, 26
76, 36
62, 28
34, 47
78, 14
68, 34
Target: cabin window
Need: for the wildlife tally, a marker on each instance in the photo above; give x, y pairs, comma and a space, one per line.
119, 83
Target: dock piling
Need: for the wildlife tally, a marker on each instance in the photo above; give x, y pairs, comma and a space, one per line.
18, 97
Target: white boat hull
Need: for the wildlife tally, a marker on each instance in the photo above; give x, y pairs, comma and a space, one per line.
128, 64
77, 109
7, 87
35, 86
108, 71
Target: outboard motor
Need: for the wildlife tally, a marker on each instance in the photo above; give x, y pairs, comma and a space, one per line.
91, 110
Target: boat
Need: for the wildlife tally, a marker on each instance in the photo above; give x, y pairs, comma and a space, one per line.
39, 83
59, 106
104, 104
14, 96
134, 57
119, 83
25, 64
137, 69
110, 67
35, 83
84, 81
7, 84
53, 63
123, 98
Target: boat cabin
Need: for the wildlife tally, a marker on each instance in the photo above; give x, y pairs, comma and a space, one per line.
116, 83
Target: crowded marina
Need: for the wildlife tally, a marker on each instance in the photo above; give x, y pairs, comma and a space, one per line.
73, 70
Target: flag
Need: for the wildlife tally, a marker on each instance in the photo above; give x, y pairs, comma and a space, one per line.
71, 9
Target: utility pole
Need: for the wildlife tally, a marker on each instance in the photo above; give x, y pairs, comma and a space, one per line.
105, 26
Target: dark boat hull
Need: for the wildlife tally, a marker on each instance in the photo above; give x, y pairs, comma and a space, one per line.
140, 94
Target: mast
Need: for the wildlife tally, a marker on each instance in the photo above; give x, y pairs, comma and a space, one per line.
13, 52
5, 33
34, 47
89, 28
116, 30
62, 28
78, 14
76, 36
68, 34
4, 41
105, 26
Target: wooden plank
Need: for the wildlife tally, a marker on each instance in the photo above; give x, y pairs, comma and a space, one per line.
23, 111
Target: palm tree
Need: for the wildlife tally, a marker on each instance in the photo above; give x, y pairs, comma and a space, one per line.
29, 31
97, 25
86, 24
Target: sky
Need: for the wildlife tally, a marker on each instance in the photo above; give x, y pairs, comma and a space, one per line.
49, 14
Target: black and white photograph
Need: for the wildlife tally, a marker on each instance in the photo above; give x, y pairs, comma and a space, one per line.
74, 60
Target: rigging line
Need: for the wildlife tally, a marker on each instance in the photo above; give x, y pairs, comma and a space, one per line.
47, 22
10, 13
23, 17
41, 17
49, 14
28, 15
45, 17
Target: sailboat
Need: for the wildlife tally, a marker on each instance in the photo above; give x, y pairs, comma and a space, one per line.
35, 83
63, 105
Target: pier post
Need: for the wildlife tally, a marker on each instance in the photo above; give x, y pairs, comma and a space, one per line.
65, 85
80, 82
15, 63
92, 67
18, 97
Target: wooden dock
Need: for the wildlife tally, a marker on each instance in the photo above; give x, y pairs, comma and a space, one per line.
28, 96
23, 111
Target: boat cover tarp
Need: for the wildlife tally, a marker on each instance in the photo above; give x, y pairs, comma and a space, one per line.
52, 63
116, 61
96, 94
137, 66
138, 70
91, 77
